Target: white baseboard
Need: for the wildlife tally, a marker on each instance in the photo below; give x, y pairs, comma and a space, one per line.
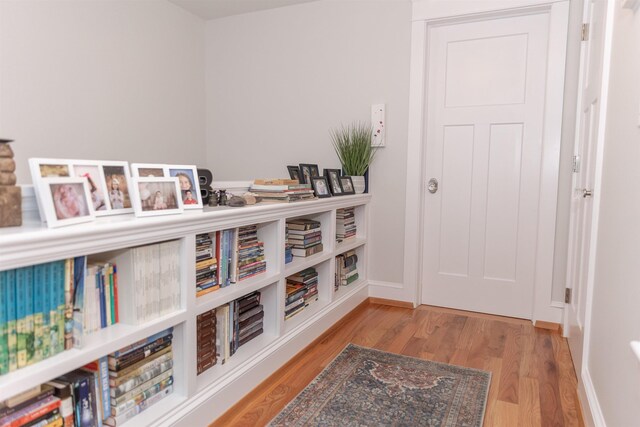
391, 290
591, 410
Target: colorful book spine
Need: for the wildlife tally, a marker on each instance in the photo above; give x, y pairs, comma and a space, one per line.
68, 299
4, 349
12, 334
45, 307
39, 277
21, 317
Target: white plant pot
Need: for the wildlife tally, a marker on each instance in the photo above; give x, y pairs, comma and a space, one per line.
358, 184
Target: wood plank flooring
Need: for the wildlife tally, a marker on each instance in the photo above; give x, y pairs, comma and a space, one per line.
533, 382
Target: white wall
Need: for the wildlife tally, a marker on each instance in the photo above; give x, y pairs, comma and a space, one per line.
615, 320
120, 80
279, 80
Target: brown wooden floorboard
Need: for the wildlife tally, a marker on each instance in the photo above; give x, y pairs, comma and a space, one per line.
533, 382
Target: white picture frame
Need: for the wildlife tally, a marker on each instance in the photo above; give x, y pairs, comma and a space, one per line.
187, 177
66, 201
153, 196
99, 174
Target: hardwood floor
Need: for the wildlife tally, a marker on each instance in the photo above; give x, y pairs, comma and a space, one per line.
533, 382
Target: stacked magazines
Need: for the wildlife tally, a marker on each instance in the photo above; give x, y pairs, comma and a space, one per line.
281, 190
139, 376
238, 322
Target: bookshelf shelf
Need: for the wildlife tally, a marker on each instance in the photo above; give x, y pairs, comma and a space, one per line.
234, 291
199, 399
98, 344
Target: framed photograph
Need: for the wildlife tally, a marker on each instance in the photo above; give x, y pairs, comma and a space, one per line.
66, 201
347, 185
156, 196
333, 178
148, 169
320, 186
99, 176
294, 172
189, 184
307, 171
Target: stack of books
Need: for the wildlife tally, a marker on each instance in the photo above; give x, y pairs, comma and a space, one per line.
281, 190
206, 326
227, 255
302, 290
250, 253
238, 322
36, 304
346, 269
345, 224
139, 376
206, 265
36, 406
305, 237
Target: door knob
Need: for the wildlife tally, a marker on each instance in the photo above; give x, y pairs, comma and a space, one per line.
587, 193
432, 186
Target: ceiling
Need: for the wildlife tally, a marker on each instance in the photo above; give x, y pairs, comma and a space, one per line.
213, 9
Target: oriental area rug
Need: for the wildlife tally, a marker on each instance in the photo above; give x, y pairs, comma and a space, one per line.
367, 387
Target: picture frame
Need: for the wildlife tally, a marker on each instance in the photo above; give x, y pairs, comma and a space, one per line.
99, 175
66, 201
156, 196
307, 171
347, 185
333, 178
189, 184
320, 186
294, 172
187, 177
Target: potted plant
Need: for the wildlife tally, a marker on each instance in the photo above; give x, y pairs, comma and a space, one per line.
353, 147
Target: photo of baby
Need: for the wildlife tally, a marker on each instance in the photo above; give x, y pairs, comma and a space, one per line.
158, 196
69, 200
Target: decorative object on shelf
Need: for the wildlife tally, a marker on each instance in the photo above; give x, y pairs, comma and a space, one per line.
333, 178
222, 197
308, 171
347, 185
66, 201
109, 182
10, 193
250, 199
320, 186
236, 202
432, 392
353, 146
294, 172
156, 196
187, 175
205, 178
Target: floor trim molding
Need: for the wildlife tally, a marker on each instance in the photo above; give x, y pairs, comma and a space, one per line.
591, 410
391, 302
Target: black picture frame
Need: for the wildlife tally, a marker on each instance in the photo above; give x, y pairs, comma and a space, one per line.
294, 172
347, 185
307, 170
333, 178
320, 186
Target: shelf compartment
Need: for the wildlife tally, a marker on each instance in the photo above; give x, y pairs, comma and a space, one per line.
327, 228
325, 281
304, 315
97, 344
361, 267
347, 245
234, 291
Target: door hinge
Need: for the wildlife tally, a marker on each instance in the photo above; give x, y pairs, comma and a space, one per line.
585, 32
576, 164
567, 295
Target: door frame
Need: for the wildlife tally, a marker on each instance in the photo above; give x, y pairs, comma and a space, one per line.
427, 14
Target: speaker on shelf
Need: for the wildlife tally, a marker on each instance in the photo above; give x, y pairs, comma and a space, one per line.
205, 177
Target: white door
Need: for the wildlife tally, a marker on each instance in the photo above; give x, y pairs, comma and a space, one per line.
587, 131
484, 146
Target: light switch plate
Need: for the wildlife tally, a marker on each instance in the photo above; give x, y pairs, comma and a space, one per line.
378, 123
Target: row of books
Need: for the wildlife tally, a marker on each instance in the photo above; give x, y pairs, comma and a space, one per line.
206, 324
346, 269
228, 256
238, 322
250, 253
152, 286
345, 224
304, 236
206, 264
34, 304
302, 290
281, 190
107, 392
100, 305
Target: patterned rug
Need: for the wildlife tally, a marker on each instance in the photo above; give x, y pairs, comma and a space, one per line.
367, 387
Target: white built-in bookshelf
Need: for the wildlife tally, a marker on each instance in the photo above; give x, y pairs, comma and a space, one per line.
199, 399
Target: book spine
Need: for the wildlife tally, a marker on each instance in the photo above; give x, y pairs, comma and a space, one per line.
102, 307
30, 413
39, 276
142, 396
60, 307
48, 282
133, 381
4, 349
68, 290
29, 310
132, 394
116, 305
12, 335
21, 306
78, 301
103, 366
120, 419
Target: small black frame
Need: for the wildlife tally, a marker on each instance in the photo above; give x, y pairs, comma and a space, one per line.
320, 186
294, 172
308, 171
333, 178
347, 185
